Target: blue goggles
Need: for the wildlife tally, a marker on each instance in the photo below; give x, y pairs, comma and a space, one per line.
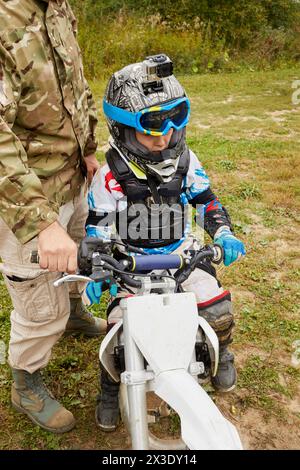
156, 120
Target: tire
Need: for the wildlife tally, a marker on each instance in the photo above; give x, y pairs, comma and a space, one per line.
155, 443
124, 407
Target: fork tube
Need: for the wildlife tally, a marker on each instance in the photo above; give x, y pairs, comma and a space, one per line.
138, 418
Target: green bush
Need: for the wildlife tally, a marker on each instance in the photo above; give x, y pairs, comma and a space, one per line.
202, 36
132, 39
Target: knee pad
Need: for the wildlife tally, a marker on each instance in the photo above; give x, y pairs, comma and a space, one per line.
218, 313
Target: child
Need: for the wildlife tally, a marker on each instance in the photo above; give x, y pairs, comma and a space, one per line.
149, 164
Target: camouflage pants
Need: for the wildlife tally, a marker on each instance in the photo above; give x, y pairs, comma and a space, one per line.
40, 310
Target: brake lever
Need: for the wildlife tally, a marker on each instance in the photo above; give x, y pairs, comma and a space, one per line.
71, 278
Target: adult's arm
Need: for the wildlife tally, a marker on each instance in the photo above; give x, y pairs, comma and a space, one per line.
23, 205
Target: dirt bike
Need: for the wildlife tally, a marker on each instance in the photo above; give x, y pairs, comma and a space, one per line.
160, 345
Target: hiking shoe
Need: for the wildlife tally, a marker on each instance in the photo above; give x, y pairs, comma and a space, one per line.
83, 321
30, 396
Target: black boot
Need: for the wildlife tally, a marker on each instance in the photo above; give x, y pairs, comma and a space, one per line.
226, 377
107, 410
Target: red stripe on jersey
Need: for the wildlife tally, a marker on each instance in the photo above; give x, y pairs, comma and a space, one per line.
111, 184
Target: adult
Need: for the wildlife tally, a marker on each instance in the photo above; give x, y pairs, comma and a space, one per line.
47, 148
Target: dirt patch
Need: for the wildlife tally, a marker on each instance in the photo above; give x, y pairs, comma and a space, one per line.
261, 232
294, 404
286, 250
282, 112
203, 126
256, 433
236, 117
242, 295
242, 354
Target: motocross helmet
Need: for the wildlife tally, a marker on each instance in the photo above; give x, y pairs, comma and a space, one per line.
147, 97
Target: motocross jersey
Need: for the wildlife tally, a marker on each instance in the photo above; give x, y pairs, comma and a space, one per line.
119, 187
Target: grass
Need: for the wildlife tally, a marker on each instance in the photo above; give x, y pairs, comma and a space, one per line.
245, 131
262, 378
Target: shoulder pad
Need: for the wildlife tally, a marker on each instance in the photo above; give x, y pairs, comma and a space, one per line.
184, 162
119, 169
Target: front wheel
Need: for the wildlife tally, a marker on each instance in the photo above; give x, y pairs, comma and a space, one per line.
155, 443
124, 406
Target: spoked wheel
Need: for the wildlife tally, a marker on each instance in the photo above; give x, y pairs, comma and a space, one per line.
162, 410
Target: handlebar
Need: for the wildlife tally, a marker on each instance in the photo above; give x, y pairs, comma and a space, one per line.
97, 265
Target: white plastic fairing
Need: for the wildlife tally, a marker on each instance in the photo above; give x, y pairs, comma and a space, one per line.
163, 330
107, 350
203, 427
164, 327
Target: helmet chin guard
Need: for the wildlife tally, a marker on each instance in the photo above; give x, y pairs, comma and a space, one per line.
164, 171
163, 164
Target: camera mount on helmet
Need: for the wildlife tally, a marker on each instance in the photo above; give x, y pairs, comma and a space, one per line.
156, 67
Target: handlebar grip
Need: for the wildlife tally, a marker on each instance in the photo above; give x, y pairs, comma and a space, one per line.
219, 254
151, 262
34, 258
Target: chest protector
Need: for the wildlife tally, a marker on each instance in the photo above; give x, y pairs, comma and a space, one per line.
155, 215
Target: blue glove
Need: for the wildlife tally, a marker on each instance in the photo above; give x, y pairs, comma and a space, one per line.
232, 246
93, 292
97, 232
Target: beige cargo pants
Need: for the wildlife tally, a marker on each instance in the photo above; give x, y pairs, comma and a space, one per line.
40, 310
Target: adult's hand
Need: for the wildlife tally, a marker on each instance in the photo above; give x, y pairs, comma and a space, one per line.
57, 251
92, 165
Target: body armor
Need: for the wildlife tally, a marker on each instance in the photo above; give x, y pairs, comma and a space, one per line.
155, 216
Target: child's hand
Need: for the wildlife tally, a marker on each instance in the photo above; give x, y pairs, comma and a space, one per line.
232, 246
97, 232
93, 292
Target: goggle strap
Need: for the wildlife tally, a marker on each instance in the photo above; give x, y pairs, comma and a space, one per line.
120, 115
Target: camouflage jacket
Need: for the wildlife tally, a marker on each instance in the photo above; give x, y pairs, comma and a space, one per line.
47, 113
